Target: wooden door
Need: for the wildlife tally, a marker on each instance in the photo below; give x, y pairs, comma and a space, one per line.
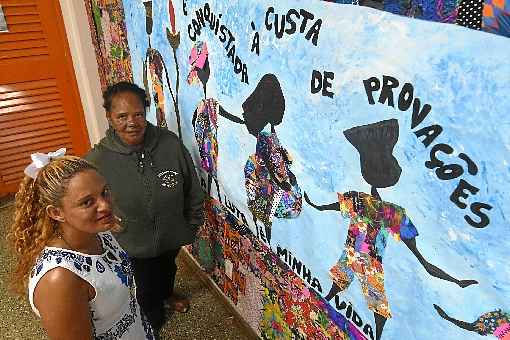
40, 108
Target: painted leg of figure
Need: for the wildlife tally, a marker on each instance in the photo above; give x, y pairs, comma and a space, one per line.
218, 189
332, 292
462, 324
268, 233
256, 227
262, 234
379, 325
209, 182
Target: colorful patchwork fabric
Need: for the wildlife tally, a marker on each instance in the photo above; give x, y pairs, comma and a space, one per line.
282, 305
503, 332
444, 11
370, 274
496, 17
439, 10
197, 58
492, 16
206, 134
198, 55
265, 197
372, 220
156, 68
470, 14
106, 20
495, 323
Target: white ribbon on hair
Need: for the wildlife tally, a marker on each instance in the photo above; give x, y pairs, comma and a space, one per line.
39, 160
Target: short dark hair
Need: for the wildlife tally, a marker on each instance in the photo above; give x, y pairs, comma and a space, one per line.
122, 87
266, 104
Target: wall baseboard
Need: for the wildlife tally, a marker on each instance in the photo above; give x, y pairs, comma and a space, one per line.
195, 267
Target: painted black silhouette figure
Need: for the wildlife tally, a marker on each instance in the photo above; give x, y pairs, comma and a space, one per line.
205, 117
372, 220
495, 323
271, 187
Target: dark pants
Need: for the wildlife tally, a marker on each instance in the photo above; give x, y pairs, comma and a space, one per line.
155, 279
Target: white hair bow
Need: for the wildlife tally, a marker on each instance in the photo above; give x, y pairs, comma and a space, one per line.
40, 159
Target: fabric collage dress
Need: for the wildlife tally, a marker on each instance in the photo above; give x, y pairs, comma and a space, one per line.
206, 134
496, 323
265, 197
372, 221
155, 69
115, 312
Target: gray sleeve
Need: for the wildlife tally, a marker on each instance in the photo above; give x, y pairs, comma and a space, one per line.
193, 194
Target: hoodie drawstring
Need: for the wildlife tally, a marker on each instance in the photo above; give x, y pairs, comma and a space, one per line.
141, 165
149, 158
141, 158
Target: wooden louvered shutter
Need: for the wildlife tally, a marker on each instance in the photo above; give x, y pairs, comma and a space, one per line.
40, 108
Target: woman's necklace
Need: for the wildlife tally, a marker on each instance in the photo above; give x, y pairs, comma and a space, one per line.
60, 236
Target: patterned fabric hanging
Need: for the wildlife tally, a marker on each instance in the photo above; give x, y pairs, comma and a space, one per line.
265, 197
470, 14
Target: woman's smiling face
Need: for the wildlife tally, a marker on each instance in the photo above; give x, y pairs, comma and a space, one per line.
86, 205
127, 118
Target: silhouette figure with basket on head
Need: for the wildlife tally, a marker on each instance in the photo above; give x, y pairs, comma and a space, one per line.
372, 220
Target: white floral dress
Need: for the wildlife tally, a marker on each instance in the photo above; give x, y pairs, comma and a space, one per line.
115, 312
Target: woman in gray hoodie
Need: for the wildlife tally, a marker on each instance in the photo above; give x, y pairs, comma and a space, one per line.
156, 193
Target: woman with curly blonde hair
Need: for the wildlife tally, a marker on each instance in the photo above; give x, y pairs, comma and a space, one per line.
79, 279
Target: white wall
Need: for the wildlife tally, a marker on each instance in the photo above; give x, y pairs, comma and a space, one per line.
85, 66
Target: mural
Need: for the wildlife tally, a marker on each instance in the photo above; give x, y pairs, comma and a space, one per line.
483, 15
496, 323
287, 308
205, 117
373, 220
386, 127
155, 71
108, 29
496, 17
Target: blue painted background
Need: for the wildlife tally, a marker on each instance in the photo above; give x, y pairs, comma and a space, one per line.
463, 74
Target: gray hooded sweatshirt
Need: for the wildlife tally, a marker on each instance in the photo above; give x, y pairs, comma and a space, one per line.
155, 191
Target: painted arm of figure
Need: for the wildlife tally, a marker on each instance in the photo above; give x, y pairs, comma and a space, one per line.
62, 299
462, 324
229, 116
333, 206
433, 270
